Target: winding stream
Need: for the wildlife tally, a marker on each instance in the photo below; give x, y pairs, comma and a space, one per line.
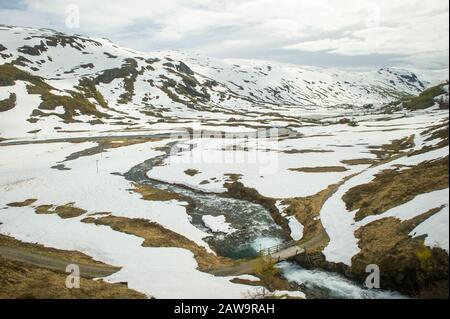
255, 227
256, 230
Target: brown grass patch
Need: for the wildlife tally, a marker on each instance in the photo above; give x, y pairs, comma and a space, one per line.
153, 194
359, 161
25, 203
320, 169
305, 151
72, 256
65, 211
8, 103
157, 236
23, 281
396, 147
191, 172
392, 188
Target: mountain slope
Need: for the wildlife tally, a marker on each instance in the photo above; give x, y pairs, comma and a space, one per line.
77, 80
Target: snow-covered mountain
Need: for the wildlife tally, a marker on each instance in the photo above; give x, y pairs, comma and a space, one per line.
75, 79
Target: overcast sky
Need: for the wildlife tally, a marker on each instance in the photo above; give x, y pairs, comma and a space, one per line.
338, 33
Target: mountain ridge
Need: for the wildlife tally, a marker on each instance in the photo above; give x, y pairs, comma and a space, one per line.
94, 81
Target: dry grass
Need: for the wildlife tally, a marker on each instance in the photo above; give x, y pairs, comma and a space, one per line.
396, 147
25, 203
359, 161
65, 211
191, 172
393, 187
73, 256
305, 151
320, 169
22, 281
8, 103
153, 194
157, 236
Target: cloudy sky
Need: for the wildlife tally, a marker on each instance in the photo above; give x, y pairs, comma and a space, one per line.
338, 33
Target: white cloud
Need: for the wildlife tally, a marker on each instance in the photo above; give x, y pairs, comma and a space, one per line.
416, 37
399, 29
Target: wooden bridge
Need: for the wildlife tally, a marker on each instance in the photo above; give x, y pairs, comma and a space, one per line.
281, 252
276, 249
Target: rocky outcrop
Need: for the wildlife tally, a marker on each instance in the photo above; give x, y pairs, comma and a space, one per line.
34, 51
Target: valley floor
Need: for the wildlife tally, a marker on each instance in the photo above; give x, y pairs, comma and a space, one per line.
163, 209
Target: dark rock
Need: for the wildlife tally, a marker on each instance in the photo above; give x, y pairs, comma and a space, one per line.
109, 55
183, 68
34, 51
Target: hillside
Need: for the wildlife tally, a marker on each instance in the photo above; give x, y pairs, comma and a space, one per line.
94, 84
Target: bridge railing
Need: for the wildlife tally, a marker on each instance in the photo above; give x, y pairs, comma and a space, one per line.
275, 249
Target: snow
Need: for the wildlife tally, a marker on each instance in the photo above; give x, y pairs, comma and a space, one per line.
83, 186
296, 228
13, 122
248, 277
290, 294
218, 224
265, 164
269, 172
281, 207
436, 230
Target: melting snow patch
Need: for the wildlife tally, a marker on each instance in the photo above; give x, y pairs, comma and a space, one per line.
248, 277
296, 228
218, 224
